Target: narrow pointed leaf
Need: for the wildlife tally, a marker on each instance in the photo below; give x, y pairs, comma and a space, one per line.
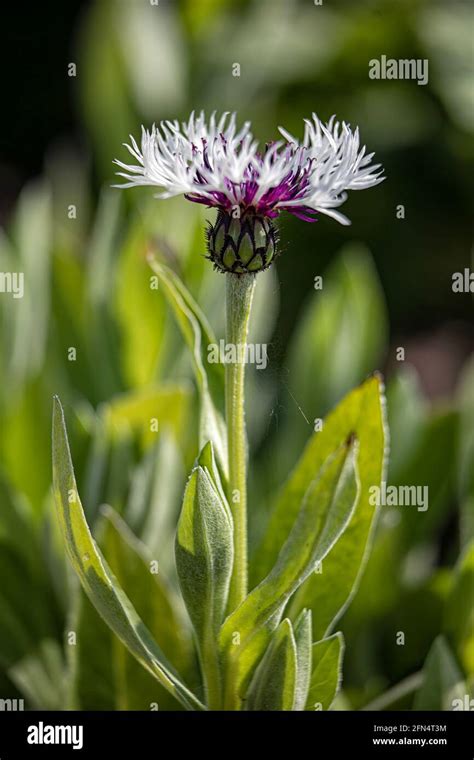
204, 553
325, 672
204, 560
303, 634
328, 594
96, 577
207, 461
209, 377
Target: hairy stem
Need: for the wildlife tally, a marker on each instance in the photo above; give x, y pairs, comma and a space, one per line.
239, 293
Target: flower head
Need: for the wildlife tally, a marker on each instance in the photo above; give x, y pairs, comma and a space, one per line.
215, 164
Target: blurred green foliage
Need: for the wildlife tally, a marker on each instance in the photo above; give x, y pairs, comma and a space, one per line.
91, 329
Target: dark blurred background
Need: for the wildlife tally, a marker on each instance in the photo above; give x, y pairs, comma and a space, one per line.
295, 58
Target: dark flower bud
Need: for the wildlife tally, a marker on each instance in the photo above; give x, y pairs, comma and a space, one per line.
241, 245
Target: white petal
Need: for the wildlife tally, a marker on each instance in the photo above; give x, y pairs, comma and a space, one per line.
335, 215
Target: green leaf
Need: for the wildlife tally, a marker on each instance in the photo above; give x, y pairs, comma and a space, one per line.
204, 559
459, 611
207, 461
326, 672
107, 676
466, 452
447, 41
303, 633
204, 549
136, 568
28, 473
28, 317
406, 409
155, 497
95, 469
341, 334
167, 403
436, 472
325, 511
443, 682
274, 684
140, 312
131, 61
100, 328
209, 377
328, 593
97, 579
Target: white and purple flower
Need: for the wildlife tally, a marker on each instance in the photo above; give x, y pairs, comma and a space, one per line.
214, 164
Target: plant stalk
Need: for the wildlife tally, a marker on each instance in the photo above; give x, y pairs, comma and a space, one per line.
239, 294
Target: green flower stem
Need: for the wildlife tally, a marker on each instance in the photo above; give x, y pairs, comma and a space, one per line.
239, 294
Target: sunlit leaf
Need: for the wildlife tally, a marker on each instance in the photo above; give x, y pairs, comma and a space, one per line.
145, 410
140, 310
28, 323
274, 684
328, 592
97, 579
326, 672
